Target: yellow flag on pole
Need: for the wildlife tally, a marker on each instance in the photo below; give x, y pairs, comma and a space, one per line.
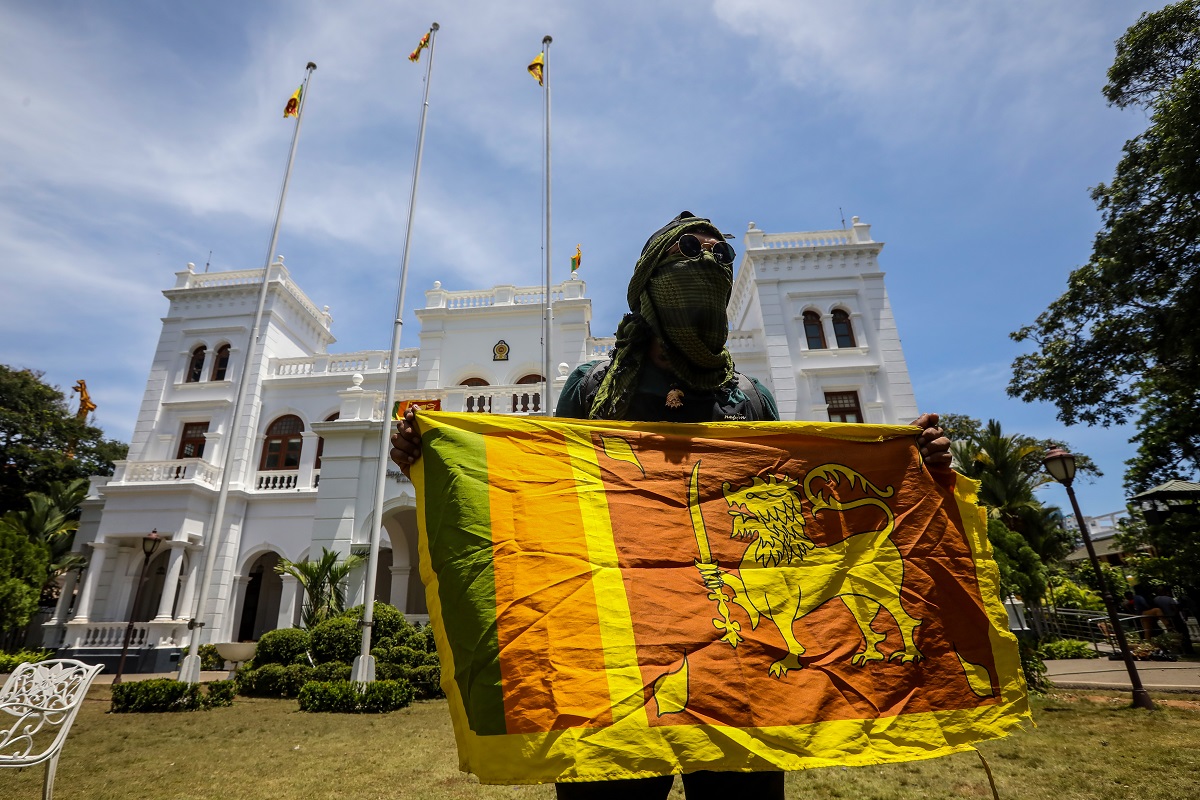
535, 67
292, 109
415, 55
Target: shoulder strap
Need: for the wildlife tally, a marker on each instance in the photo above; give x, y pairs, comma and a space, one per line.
758, 404
591, 382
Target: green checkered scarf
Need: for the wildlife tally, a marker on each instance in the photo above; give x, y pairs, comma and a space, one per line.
682, 302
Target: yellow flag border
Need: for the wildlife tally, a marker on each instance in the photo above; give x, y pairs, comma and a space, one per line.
506, 759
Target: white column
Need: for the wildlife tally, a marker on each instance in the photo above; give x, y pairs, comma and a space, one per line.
189, 586
166, 605
235, 620
83, 609
399, 597
64, 599
308, 458
123, 586
287, 601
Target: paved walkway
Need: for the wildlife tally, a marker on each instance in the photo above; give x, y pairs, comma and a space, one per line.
1100, 673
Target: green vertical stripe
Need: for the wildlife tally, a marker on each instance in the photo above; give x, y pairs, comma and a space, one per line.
459, 524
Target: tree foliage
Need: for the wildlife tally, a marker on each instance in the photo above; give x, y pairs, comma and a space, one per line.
41, 441
1009, 470
1122, 340
1021, 570
52, 519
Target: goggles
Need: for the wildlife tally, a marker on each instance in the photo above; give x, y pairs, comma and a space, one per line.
689, 246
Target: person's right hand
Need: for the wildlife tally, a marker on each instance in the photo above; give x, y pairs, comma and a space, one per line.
406, 442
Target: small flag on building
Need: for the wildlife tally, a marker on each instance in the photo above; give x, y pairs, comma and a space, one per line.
292, 109
576, 259
535, 67
415, 55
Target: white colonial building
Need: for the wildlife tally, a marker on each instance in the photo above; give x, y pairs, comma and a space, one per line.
809, 317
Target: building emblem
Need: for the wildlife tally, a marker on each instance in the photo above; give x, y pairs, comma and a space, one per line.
500, 351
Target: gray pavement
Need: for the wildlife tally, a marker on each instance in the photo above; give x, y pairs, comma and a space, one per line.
1100, 673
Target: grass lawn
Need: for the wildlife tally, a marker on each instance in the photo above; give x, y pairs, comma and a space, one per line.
1086, 745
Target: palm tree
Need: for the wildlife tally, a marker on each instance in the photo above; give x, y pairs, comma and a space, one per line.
1009, 469
324, 584
52, 519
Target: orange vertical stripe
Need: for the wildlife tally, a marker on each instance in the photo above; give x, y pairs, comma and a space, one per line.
551, 654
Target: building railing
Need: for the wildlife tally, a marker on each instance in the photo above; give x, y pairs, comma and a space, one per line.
276, 480
832, 238
363, 361
182, 470
109, 635
437, 297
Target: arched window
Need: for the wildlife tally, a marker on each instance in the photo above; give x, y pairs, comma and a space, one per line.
196, 365
528, 401
321, 441
281, 450
843, 331
814, 332
474, 382
477, 402
220, 363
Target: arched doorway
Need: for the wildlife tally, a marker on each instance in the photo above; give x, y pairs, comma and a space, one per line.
260, 604
405, 590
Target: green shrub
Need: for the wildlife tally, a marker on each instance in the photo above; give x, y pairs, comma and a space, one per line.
283, 646
1034, 668
167, 694
273, 680
337, 639
426, 680
220, 693
331, 671
387, 623
1067, 648
401, 654
210, 659
347, 697
10, 661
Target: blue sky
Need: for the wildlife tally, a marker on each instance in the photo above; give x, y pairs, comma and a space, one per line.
137, 136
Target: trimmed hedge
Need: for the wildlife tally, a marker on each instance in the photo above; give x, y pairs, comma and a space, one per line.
273, 680
331, 671
167, 694
337, 639
387, 623
347, 697
283, 646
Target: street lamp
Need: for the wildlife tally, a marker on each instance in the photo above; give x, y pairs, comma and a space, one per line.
1061, 466
149, 545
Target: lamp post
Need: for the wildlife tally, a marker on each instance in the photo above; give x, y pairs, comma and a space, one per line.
1061, 466
149, 545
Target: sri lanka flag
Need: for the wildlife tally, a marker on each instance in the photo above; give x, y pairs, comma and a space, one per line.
616, 600
292, 109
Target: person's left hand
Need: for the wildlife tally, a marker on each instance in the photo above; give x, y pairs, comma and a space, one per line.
933, 442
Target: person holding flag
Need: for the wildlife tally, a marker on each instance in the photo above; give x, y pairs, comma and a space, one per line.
671, 364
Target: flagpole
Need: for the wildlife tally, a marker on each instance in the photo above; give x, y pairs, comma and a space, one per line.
547, 399
189, 669
364, 663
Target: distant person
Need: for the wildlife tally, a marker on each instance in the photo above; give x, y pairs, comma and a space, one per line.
1166, 605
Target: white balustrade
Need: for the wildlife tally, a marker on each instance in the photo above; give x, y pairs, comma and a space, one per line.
277, 480
601, 347
178, 471
739, 342
98, 635
779, 241
365, 361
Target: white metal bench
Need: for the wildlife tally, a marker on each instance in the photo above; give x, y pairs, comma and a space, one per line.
44, 697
